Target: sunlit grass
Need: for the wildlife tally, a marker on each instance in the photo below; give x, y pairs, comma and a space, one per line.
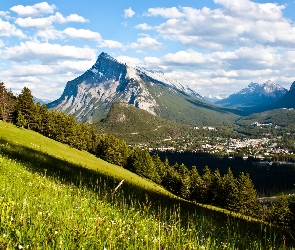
56, 197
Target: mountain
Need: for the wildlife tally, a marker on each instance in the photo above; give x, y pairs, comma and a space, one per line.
287, 101
255, 95
214, 99
42, 101
90, 96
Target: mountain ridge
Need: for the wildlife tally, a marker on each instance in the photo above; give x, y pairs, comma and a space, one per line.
255, 95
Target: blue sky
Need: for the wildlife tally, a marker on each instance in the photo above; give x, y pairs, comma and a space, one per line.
215, 46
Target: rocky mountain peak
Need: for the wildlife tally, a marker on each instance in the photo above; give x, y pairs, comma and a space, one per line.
90, 96
255, 94
292, 86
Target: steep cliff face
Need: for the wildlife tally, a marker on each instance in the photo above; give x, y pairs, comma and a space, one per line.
105, 82
90, 96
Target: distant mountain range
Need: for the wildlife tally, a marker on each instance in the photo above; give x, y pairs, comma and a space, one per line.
214, 99
90, 96
255, 95
42, 101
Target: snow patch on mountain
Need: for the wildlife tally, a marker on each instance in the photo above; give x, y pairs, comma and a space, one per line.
161, 77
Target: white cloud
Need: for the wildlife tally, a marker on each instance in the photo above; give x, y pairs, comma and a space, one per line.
8, 29
38, 9
131, 61
46, 22
76, 18
38, 23
82, 34
235, 23
186, 57
46, 52
29, 70
110, 44
50, 34
165, 12
143, 26
145, 43
59, 18
128, 13
4, 14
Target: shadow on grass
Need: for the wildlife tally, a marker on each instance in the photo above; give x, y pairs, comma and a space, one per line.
161, 207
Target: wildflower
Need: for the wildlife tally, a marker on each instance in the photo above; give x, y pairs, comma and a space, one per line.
20, 247
55, 232
166, 229
202, 238
4, 235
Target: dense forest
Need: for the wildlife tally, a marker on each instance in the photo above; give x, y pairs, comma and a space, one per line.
236, 194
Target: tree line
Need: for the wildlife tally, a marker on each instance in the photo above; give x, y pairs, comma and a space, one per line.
209, 187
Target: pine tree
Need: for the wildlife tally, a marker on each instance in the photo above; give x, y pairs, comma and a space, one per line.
281, 214
113, 150
246, 200
141, 163
216, 188
185, 180
25, 104
195, 185
206, 187
160, 166
229, 191
21, 121
7, 103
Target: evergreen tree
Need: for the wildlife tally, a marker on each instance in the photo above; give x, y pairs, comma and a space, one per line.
141, 163
206, 187
7, 103
184, 179
281, 214
195, 185
216, 188
160, 166
229, 191
112, 150
21, 121
25, 104
171, 181
246, 200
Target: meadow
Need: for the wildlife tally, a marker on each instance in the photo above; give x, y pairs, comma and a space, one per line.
55, 197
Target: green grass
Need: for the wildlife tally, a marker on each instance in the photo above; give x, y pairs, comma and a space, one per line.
55, 197
26, 140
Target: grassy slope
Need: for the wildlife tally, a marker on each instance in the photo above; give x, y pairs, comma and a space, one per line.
38, 153
61, 151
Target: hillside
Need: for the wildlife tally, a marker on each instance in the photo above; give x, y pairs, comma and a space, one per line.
73, 191
137, 125
24, 140
282, 117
